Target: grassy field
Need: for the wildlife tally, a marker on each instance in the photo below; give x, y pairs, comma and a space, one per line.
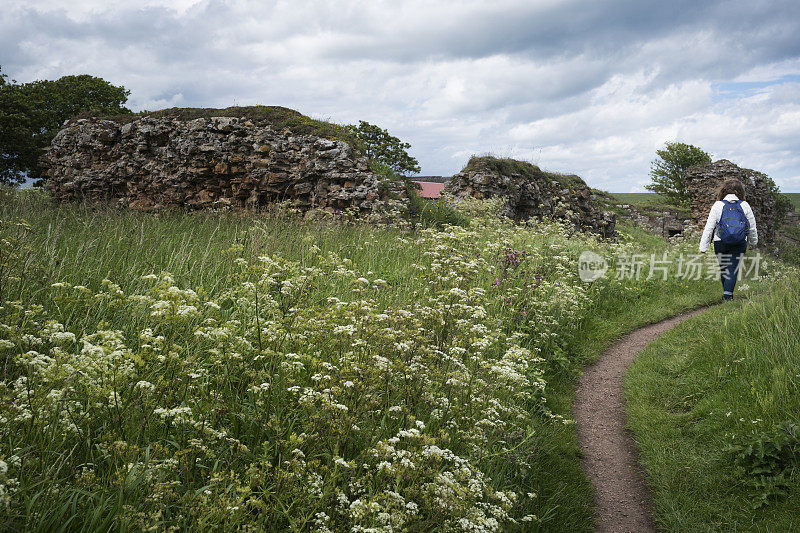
224, 370
713, 405
649, 203
636, 198
795, 198
644, 198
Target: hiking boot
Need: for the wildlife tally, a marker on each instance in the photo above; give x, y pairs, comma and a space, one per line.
727, 297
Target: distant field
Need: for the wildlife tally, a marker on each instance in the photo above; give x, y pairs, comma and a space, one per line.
639, 198
636, 198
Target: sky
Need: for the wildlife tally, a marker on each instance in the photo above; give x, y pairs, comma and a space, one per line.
589, 87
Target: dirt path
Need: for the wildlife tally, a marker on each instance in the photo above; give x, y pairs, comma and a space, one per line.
610, 459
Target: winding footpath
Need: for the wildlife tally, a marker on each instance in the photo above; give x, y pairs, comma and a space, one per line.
610, 458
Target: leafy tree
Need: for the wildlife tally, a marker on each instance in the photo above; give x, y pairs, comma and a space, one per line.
380, 147
783, 204
669, 172
32, 113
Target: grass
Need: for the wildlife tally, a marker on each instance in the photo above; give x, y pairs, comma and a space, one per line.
611, 317
438, 288
276, 116
795, 198
787, 244
707, 403
636, 198
650, 199
80, 246
433, 212
563, 481
514, 167
650, 203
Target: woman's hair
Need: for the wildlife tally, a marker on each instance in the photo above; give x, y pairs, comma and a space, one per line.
731, 186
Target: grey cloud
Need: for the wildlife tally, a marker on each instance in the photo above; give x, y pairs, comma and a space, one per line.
591, 81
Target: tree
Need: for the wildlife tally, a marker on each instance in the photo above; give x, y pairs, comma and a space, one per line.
32, 113
380, 147
783, 204
669, 172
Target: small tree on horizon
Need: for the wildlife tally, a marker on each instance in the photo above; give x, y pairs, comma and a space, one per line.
669, 171
381, 147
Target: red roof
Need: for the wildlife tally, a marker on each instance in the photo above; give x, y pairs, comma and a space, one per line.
430, 190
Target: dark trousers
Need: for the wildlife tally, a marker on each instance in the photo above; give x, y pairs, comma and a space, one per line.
729, 257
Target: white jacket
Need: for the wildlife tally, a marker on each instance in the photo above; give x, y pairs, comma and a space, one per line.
716, 214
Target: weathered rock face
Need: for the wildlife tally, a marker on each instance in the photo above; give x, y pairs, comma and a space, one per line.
531, 192
155, 161
702, 182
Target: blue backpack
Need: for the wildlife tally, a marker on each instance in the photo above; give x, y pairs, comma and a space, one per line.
733, 225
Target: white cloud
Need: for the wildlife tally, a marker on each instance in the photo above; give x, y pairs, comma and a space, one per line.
586, 87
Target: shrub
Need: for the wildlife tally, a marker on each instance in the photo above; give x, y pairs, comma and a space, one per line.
668, 172
769, 459
438, 212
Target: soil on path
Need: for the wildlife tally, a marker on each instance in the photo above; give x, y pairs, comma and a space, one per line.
610, 458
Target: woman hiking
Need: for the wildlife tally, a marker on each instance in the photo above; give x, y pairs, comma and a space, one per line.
733, 226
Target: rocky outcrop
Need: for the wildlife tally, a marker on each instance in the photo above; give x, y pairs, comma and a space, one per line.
152, 161
530, 192
702, 182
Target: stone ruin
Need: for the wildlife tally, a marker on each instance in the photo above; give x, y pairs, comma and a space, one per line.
702, 182
200, 158
531, 192
252, 157
666, 221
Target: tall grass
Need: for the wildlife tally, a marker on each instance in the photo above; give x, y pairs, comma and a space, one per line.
223, 370
795, 198
711, 404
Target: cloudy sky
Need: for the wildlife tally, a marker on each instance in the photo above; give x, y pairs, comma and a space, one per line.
588, 87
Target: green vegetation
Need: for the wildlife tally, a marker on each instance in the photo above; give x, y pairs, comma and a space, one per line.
514, 167
668, 172
656, 201
384, 149
606, 201
713, 406
794, 197
32, 113
206, 370
426, 212
276, 116
787, 244
648, 203
638, 198
783, 204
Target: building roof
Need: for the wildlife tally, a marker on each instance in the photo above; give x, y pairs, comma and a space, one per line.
430, 189
432, 179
